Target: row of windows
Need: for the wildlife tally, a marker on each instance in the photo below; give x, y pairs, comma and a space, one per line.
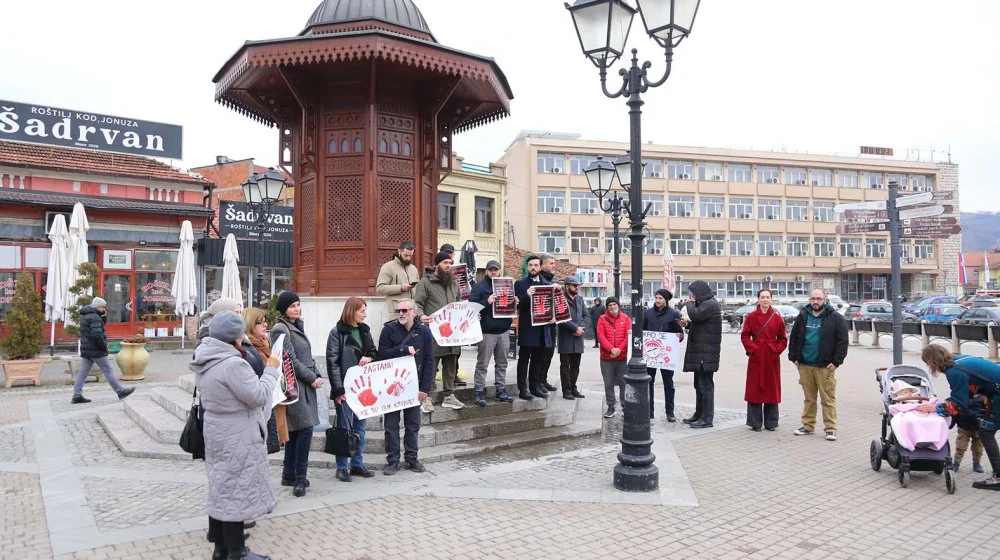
712, 244
780, 289
745, 173
448, 212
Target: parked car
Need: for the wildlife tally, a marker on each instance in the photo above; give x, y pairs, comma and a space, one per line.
980, 316
986, 302
940, 313
924, 302
788, 313
870, 310
838, 303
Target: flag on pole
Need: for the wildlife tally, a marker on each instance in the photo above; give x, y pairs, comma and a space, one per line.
963, 278
669, 280
986, 270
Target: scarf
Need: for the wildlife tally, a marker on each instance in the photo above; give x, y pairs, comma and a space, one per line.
262, 344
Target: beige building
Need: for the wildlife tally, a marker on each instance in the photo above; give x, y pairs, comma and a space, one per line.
470, 208
741, 220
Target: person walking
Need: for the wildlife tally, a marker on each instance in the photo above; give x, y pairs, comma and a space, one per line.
349, 344
662, 318
258, 350
596, 311
494, 343
704, 324
537, 344
397, 278
302, 414
764, 339
405, 336
94, 351
437, 289
974, 400
613, 335
236, 405
818, 346
571, 339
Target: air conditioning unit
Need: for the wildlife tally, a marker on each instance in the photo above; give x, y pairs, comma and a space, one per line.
593, 250
687, 214
817, 218
592, 210
769, 278
685, 176
625, 250
923, 189
557, 250
717, 177
805, 218
772, 217
689, 252
556, 170
831, 254
775, 253
746, 216
882, 255
718, 253
774, 180
748, 253
879, 186
655, 212
717, 214
803, 181
556, 210
657, 174
911, 260
800, 278
678, 278
657, 251
739, 277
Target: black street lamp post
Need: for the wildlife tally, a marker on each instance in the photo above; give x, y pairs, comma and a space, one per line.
600, 175
262, 191
602, 27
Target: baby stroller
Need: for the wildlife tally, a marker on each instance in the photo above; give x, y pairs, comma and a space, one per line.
922, 459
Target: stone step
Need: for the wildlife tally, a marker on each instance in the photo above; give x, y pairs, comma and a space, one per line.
133, 441
173, 399
158, 423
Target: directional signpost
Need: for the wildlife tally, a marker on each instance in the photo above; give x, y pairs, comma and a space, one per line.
913, 199
936, 232
922, 212
870, 205
870, 215
944, 195
934, 221
862, 227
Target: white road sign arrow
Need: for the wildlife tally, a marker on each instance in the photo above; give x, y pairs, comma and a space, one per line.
923, 212
913, 199
871, 205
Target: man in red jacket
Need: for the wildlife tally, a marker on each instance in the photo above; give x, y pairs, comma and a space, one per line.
612, 335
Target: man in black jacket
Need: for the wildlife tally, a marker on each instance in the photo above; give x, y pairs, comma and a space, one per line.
94, 350
662, 318
818, 346
596, 311
494, 343
704, 346
406, 336
537, 343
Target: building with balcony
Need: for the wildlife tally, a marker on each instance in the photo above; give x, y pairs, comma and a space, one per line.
471, 208
741, 220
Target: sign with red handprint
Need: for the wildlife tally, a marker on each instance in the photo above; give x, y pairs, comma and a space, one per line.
457, 324
560, 307
504, 306
542, 305
661, 350
461, 274
380, 387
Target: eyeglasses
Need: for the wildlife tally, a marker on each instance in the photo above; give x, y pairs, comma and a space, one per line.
403, 310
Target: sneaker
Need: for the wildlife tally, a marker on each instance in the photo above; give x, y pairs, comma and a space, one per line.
428, 405
479, 398
460, 383
802, 431
976, 467
125, 392
831, 435
502, 395
79, 399
415, 466
391, 469
299, 490
991, 483
452, 402
610, 412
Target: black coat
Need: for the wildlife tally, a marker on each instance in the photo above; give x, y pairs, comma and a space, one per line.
529, 336
93, 338
343, 353
704, 331
394, 342
595, 314
833, 339
481, 293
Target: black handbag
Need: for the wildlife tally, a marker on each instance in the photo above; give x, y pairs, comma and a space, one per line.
192, 437
343, 442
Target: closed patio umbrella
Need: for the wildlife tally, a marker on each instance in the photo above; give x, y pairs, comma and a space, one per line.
468, 257
669, 279
230, 271
55, 284
78, 227
184, 289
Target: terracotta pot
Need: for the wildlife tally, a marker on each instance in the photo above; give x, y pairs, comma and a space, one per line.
23, 369
132, 361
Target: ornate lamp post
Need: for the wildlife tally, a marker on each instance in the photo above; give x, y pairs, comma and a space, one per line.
600, 176
602, 27
262, 191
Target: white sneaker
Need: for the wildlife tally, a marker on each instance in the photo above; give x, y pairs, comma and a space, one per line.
452, 402
428, 405
831, 436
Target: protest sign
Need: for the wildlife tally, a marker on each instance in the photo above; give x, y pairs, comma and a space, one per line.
377, 388
542, 305
560, 307
285, 390
457, 324
661, 350
504, 306
461, 273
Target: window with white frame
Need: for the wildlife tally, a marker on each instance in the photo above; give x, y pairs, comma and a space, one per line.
847, 179
923, 249
875, 248
769, 208
551, 201
797, 211
652, 168
680, 169
719, 288
740, 173
769, 245
584, 241
850, 246
711, 206
484, 214
654, 244
583, 203
823, 212
825, 246
906, 250
709, 171
872, 180
682, 243
609, 242
657, 199
578, 163
795, 176
551, 241
900, 179
649, 288
740, 208
921, 183
822, 177
798, 246
922, 284
741, 245
551, 163
768, 174
680, 205
447, 210
712, 244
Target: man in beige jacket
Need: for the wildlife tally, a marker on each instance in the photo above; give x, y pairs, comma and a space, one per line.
397, 277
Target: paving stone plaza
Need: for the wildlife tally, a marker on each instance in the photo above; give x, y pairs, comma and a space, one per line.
726, 492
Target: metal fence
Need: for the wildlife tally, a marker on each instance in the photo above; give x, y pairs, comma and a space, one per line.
959, 334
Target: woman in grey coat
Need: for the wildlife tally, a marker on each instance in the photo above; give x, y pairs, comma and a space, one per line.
302, 414
237, 406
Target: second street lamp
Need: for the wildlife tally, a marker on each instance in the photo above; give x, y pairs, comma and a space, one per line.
600, 176
262, 191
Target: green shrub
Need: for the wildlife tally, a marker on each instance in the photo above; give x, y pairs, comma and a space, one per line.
81, 292
24, 323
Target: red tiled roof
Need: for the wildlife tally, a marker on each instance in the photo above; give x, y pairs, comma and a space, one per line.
513, 258
974, 259
66, 200
37, 156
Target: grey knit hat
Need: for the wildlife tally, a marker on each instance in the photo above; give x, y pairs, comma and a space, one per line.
97, 302
223, 304
227, 327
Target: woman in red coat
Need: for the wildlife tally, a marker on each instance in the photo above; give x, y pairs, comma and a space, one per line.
764, 339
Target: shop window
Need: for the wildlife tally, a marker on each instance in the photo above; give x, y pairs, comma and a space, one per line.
36, 257
10, 257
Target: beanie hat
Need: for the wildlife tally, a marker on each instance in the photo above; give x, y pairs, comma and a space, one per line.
898, 386
440, 257
227, 327
285, 300
665, 293
447, 248
97, 302
223, 304
611, 300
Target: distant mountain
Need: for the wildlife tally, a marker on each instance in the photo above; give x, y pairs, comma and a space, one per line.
980, 230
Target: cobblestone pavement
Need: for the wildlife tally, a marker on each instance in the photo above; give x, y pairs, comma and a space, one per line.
749, 495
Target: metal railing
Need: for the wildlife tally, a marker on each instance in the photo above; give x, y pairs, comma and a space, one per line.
958, 333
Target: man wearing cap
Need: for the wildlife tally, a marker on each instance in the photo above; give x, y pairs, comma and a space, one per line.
397, 277
437, 289
94, 350
571, 341
494, 344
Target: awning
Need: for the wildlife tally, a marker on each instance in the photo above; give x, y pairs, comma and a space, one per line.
65, 200
277, 254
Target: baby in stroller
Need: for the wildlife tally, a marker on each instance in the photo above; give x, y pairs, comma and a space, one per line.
911, 427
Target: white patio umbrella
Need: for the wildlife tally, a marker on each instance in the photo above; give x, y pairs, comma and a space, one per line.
55, 284
669, 280
78, 227
184, 289
230, 271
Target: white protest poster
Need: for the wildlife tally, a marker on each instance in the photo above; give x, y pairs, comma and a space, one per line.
457, 324
278, 394
380, 387
661, 350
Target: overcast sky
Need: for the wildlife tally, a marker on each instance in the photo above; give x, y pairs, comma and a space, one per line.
818, 76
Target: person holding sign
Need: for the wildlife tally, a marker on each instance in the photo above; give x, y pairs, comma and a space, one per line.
494, 344
349, 344
537, 343
437, 289
613, 335
764, 340
571, 343
662, 318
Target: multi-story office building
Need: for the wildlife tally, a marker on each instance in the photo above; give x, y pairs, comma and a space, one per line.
741, 220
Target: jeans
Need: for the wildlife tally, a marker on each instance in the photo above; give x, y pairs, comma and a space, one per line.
411, 423
359, 426
493, 346
613, 373
569, 372
530, 366
704, 393
297, 455
762, 415
105, 365
668, 389
449, 371
818, 379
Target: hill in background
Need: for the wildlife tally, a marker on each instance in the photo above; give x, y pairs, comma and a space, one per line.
980, 231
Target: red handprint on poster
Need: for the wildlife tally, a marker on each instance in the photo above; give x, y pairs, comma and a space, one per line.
383, 386
400, 380
504, 304
444, 324
457, 324
660, 350
366, 396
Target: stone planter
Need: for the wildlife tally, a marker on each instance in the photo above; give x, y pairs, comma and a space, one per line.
132, 361
23, 369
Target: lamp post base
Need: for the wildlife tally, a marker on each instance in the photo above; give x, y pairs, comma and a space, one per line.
637, 479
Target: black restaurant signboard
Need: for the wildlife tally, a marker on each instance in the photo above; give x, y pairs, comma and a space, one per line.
240, 220
40, 124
